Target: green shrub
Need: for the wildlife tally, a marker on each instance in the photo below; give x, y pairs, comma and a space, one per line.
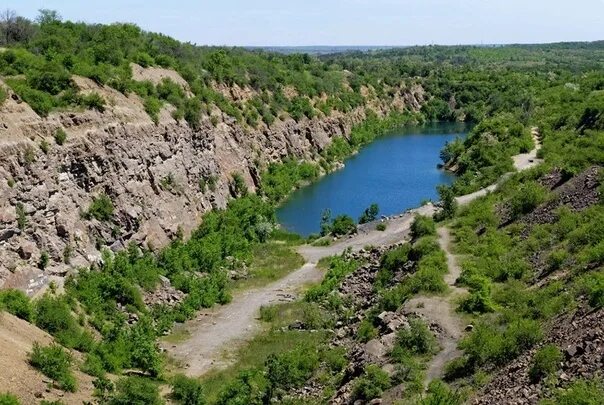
417, 339
422, 226
527, 198
16, 303
8, 399
593, 284
366, 331
381, 226
3, 95
44, 260
187, 391
371, 384
370, 214
55, 363
21, 216
545, 362
60, 136
250, 387
343, 225
438, 393
152, 107
581, 392
291, 369
44, 146
101, 208
136, 391
93, 101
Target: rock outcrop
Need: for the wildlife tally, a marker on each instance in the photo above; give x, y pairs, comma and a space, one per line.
151, 172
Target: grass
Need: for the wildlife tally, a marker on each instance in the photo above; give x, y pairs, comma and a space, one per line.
271, 261
254, 355
178, 335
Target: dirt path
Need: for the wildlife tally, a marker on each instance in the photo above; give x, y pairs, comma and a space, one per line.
215, 333
441, 311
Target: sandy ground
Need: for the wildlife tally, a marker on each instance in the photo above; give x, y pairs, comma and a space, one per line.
19, 378
215, 334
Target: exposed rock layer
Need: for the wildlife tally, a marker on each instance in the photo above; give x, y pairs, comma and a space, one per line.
151, 172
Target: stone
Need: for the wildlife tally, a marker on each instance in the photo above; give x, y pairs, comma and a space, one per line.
27, 250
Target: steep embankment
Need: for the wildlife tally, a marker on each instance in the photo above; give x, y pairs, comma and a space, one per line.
151, 172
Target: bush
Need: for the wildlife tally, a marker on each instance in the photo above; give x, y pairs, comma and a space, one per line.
55, 363
136, 391
370, 214
187, 391
291, 369
152, 107
439, 393
93, 101
581, 392
371, 384
417, 339
527, 198
366, 331
8, 399
545, 362
422, 226
381, 226
343, 225
250, 387
101, 208
16, 303
60, 136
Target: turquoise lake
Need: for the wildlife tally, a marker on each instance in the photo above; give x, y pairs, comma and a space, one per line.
397, 171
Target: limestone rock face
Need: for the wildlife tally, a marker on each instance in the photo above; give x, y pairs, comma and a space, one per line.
150, 171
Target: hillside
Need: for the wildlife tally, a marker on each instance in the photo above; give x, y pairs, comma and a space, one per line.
140, 177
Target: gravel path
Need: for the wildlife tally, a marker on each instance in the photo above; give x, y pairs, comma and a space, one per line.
214, 334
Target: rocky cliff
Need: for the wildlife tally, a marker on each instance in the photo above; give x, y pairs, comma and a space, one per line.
151, 172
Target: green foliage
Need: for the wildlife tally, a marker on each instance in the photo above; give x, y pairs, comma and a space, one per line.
422, 226
581, 392
545, 362
495, 346
16, 303
526, 199
371, 384
237, 185
135, 391
366, 331
291, 369
417, 339
21, 216
281, 178
343, 225
8, 399
370, 214
44, 146
187, 391
93, 101
44, 259
55, 363
54, 315
101, 208
339, 267
439, 393
381, 226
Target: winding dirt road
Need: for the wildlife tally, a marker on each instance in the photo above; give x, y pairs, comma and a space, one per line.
214, 334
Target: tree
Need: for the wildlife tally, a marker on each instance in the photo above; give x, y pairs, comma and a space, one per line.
447, 198
325, 221
14, 29
47, 16
370, 214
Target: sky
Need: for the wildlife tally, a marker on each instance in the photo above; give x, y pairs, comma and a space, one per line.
342, 22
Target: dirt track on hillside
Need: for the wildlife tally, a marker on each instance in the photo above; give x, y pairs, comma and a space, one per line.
215, 334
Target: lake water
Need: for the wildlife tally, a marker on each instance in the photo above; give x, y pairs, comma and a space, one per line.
397, 171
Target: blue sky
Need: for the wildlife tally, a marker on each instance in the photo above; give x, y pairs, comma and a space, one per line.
340, 22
